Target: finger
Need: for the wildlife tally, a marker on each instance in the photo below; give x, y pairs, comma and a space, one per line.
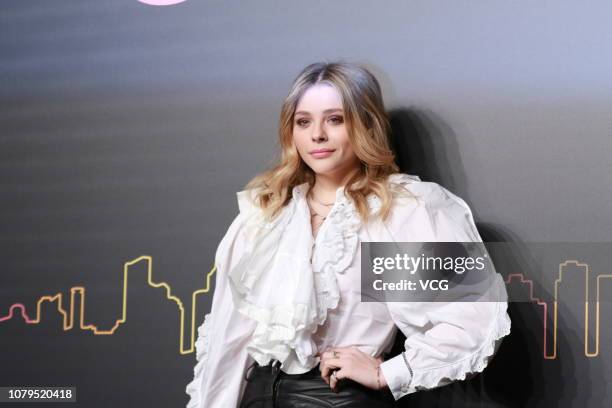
341, 374
335, 379
328, 366
338, 377
325, 379
324, 368
325, 371
333, 383
342, 352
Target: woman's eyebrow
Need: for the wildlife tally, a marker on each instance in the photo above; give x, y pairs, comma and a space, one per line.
325, 111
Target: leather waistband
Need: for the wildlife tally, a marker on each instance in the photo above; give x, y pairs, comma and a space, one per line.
274, 368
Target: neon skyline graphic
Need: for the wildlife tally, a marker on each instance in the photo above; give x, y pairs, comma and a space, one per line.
69, 317
544, 306
77, 303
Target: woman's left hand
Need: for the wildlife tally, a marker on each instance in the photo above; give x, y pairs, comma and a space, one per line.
352, 363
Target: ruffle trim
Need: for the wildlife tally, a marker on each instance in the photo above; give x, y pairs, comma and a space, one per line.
202, 345
339, 244
283, 332
279, 327
474, 363
279, 332
335, 253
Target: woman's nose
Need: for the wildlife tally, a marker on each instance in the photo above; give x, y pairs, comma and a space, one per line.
318, 132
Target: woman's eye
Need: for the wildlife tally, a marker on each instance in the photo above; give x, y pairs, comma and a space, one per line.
334, 119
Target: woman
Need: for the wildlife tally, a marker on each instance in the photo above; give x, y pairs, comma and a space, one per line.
287, 328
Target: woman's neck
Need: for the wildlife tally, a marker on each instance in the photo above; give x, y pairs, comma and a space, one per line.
325, 186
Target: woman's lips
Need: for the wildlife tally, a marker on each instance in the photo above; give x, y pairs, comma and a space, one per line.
322, 154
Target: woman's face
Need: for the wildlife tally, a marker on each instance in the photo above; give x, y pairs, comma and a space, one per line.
318, 125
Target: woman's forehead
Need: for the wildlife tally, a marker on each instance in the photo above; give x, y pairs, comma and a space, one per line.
319, 98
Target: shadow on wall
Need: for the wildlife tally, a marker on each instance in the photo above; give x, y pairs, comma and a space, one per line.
427, 147
518, 375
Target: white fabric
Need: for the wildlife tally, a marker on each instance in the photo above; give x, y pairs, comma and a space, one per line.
280, 295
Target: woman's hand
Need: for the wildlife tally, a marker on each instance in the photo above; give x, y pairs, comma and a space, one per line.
338, 363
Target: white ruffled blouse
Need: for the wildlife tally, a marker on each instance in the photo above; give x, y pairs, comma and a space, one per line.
283, 295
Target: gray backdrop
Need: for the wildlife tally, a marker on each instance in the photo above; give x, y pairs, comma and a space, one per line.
126, 129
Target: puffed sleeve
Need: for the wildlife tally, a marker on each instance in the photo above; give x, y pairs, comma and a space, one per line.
221, 353
445, 341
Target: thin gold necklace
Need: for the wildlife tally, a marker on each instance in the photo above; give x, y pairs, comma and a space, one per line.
314, 212
317, 201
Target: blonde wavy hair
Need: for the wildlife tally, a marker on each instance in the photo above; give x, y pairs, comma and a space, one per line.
368, 127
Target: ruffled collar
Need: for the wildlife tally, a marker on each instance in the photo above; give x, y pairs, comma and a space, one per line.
342, 202
286, 288
346, 204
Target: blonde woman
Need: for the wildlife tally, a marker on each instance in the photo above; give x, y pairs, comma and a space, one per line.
287, 327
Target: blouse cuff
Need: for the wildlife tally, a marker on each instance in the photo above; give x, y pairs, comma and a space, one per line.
403, 378
398, 375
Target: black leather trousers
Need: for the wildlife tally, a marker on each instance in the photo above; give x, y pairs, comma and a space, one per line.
269, 387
